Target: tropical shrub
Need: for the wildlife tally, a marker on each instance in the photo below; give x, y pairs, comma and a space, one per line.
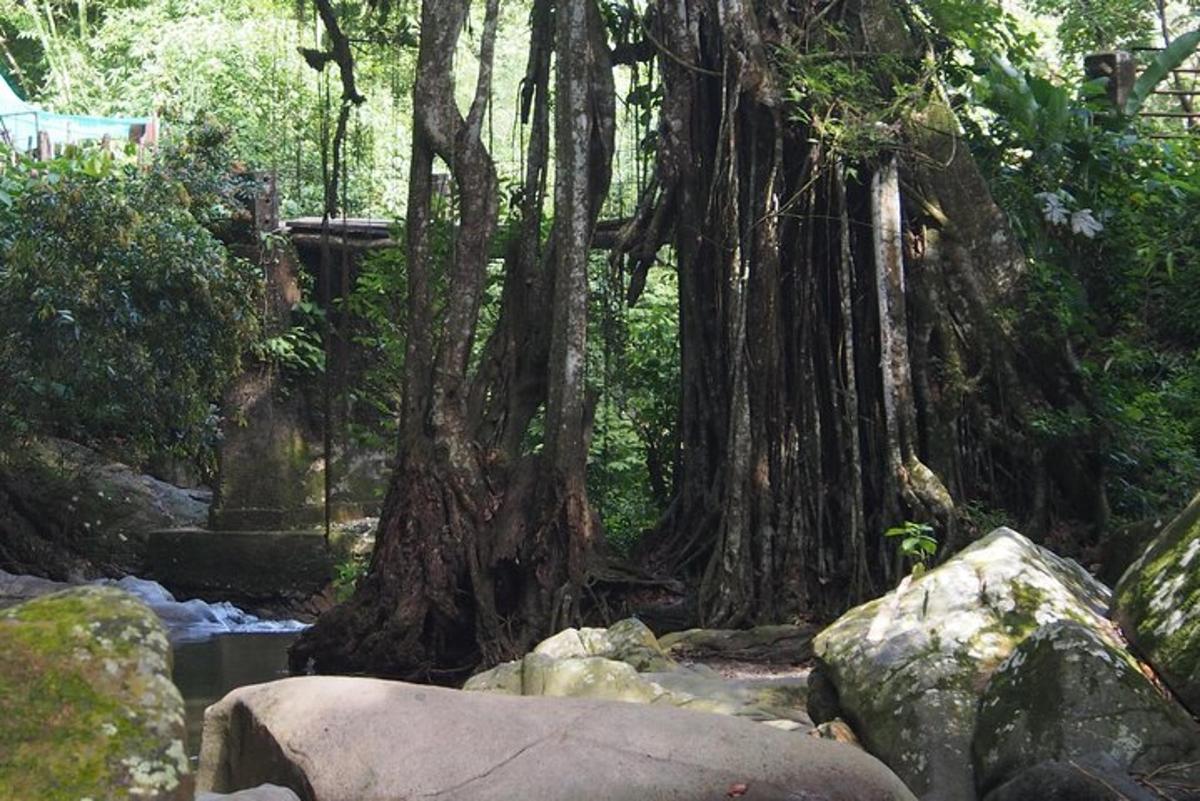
122, 318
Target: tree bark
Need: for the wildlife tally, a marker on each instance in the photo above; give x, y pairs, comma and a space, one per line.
480, 548
416, 612
820, 324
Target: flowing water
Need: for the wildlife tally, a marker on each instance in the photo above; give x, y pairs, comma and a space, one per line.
217, 648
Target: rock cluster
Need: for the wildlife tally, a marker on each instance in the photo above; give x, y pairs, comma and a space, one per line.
999, 676
626, 662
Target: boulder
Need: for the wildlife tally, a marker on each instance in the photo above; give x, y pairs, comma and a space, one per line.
351, 739
1123, 546
774, 700
1058, 781
1067, 695
1158, 606
782, 643
584, 677
908, 668
598, 658
628, 641
68, 508
87, 707
264, 792
17, 589
626, 663
506, 679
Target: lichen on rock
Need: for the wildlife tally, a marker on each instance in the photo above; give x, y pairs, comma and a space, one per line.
625, 662
1068, 695
87, 707
908, 668
1158, 605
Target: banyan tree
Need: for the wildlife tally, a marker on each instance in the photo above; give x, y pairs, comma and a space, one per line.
848, 356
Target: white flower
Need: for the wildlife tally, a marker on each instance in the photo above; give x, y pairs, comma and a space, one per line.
1083, 222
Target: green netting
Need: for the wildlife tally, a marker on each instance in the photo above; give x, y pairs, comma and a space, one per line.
21, 124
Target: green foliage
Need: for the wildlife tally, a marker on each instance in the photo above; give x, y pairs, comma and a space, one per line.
237, 60
379, 328
1108, 214
917, 544
299, 350
967, 32
979, 519
122, 317
1089, 26
634, 357
1163, 64
1151, 400
201, 157
851, 107
347, 573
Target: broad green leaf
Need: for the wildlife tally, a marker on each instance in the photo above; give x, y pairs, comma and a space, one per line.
1163, 65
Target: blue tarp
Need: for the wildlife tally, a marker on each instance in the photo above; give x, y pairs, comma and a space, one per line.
20, 124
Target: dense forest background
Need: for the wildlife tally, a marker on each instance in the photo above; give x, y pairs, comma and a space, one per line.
114, 277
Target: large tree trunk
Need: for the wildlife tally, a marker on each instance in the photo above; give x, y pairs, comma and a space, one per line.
480, 548
827, 321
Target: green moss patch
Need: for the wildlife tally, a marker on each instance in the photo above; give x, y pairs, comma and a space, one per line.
1158, 605
86, 706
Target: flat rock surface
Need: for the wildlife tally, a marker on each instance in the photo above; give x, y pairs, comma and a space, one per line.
16, 589
350, 739
778, 644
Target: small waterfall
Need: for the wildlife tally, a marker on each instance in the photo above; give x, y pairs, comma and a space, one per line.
196, 619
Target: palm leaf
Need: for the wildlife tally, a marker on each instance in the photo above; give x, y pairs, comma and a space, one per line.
1163, 65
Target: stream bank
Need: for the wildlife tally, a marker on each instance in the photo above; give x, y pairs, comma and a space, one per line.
216, 647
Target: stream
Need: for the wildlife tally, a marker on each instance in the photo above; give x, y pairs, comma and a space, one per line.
217, 648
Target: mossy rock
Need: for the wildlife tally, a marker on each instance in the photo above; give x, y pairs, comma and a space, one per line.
585, 677
1158, 605
504, 679
908, 668
1068, 695
626, 663
629, 641
87, 707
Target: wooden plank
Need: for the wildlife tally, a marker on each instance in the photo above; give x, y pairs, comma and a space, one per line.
353, 227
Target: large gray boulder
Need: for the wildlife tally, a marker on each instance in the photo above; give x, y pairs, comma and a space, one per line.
352, 739
1158, 605
1071, 781
1067, 695
629, 641
908, 668
87, 707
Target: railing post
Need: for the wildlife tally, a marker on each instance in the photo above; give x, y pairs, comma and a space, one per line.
1119, 68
